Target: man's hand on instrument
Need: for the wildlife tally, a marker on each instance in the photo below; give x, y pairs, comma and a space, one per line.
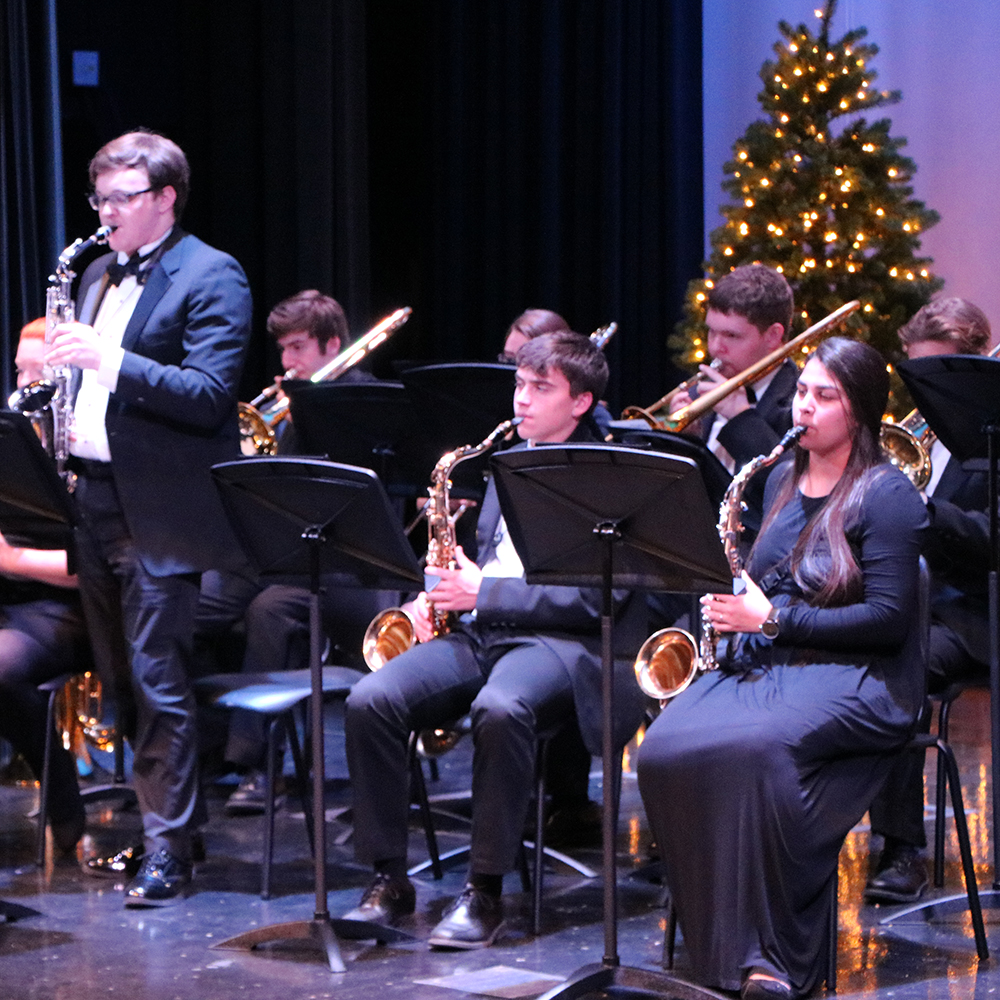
420, 611
459, 587
737, 612
75, 344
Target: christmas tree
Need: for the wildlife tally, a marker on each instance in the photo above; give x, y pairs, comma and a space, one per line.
822, 196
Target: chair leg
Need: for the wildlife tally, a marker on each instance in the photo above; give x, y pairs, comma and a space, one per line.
541, 761
669, 937
941, 790
45, 781
420, 790
833, 930
272, 776
946, 754
302, 777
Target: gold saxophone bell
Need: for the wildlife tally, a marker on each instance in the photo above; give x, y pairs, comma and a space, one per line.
908, 451
390, 633
667, 663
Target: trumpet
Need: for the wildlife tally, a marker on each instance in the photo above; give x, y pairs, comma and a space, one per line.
670, 659
699, 407
257, 429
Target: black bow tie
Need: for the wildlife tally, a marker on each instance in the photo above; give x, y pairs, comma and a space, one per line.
117, 273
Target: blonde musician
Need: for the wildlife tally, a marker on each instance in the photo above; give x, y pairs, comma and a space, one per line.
957, 553
41, 636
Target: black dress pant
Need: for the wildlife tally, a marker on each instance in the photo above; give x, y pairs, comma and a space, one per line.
142, 631
514, 688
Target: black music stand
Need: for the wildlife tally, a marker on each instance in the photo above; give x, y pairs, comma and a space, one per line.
460, 402
36, 512
307, 518
368, 424
959, 397
593, 516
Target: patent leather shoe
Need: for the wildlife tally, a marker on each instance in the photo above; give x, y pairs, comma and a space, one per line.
473, 921
901, 876
127, 862
161, 879
387, 900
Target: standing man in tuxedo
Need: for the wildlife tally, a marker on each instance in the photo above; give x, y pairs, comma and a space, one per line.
522, 659
165, 321
957, 551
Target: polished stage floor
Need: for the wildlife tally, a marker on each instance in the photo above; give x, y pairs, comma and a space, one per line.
79, 943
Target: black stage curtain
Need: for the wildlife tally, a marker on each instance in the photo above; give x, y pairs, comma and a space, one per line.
467, 159
547, 153
27, 250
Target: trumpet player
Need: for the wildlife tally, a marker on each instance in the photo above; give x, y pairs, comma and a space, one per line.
749, 315
521, 659
165, 321
957, 553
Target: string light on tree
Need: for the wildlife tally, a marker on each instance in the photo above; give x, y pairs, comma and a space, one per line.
822, 194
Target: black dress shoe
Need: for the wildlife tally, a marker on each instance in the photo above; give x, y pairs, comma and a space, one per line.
124, 864
127, 862
473, 921
162, 879
901, 876
574, 826
388, 899
756, 988
66, 833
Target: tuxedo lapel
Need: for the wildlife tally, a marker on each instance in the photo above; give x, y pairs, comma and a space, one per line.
489, 521
154, 289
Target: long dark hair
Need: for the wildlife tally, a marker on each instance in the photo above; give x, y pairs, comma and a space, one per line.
822, 562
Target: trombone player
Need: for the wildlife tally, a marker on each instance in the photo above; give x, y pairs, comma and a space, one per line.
749, 316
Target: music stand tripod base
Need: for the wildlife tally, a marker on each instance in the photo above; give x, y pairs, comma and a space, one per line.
592, 978
323, 932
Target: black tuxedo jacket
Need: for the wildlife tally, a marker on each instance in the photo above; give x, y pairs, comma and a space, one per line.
173, 413
567, 621
958, 554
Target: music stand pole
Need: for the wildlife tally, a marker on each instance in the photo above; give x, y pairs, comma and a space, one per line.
563, 539
275, 505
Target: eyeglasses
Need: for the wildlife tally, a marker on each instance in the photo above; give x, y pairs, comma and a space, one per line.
117, 199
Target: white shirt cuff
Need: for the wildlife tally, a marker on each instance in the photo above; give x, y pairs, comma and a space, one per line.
111, 365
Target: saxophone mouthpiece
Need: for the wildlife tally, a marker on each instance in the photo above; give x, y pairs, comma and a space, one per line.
515, 421
102, 234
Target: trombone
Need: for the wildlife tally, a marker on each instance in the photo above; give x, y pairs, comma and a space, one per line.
257, 429
707, 401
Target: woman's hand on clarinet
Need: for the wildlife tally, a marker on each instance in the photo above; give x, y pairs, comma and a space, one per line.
737, 612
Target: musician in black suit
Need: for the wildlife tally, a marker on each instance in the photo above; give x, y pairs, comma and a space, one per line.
749, 315
165, 321
521, 659
310, 329
957, 554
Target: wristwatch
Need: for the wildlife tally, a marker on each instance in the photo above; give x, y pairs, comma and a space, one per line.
769, 627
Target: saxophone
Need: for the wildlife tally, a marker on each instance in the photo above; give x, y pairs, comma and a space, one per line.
670, 659
48, 401
393, 632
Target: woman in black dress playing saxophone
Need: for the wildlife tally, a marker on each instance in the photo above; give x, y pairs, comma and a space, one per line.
754, 775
